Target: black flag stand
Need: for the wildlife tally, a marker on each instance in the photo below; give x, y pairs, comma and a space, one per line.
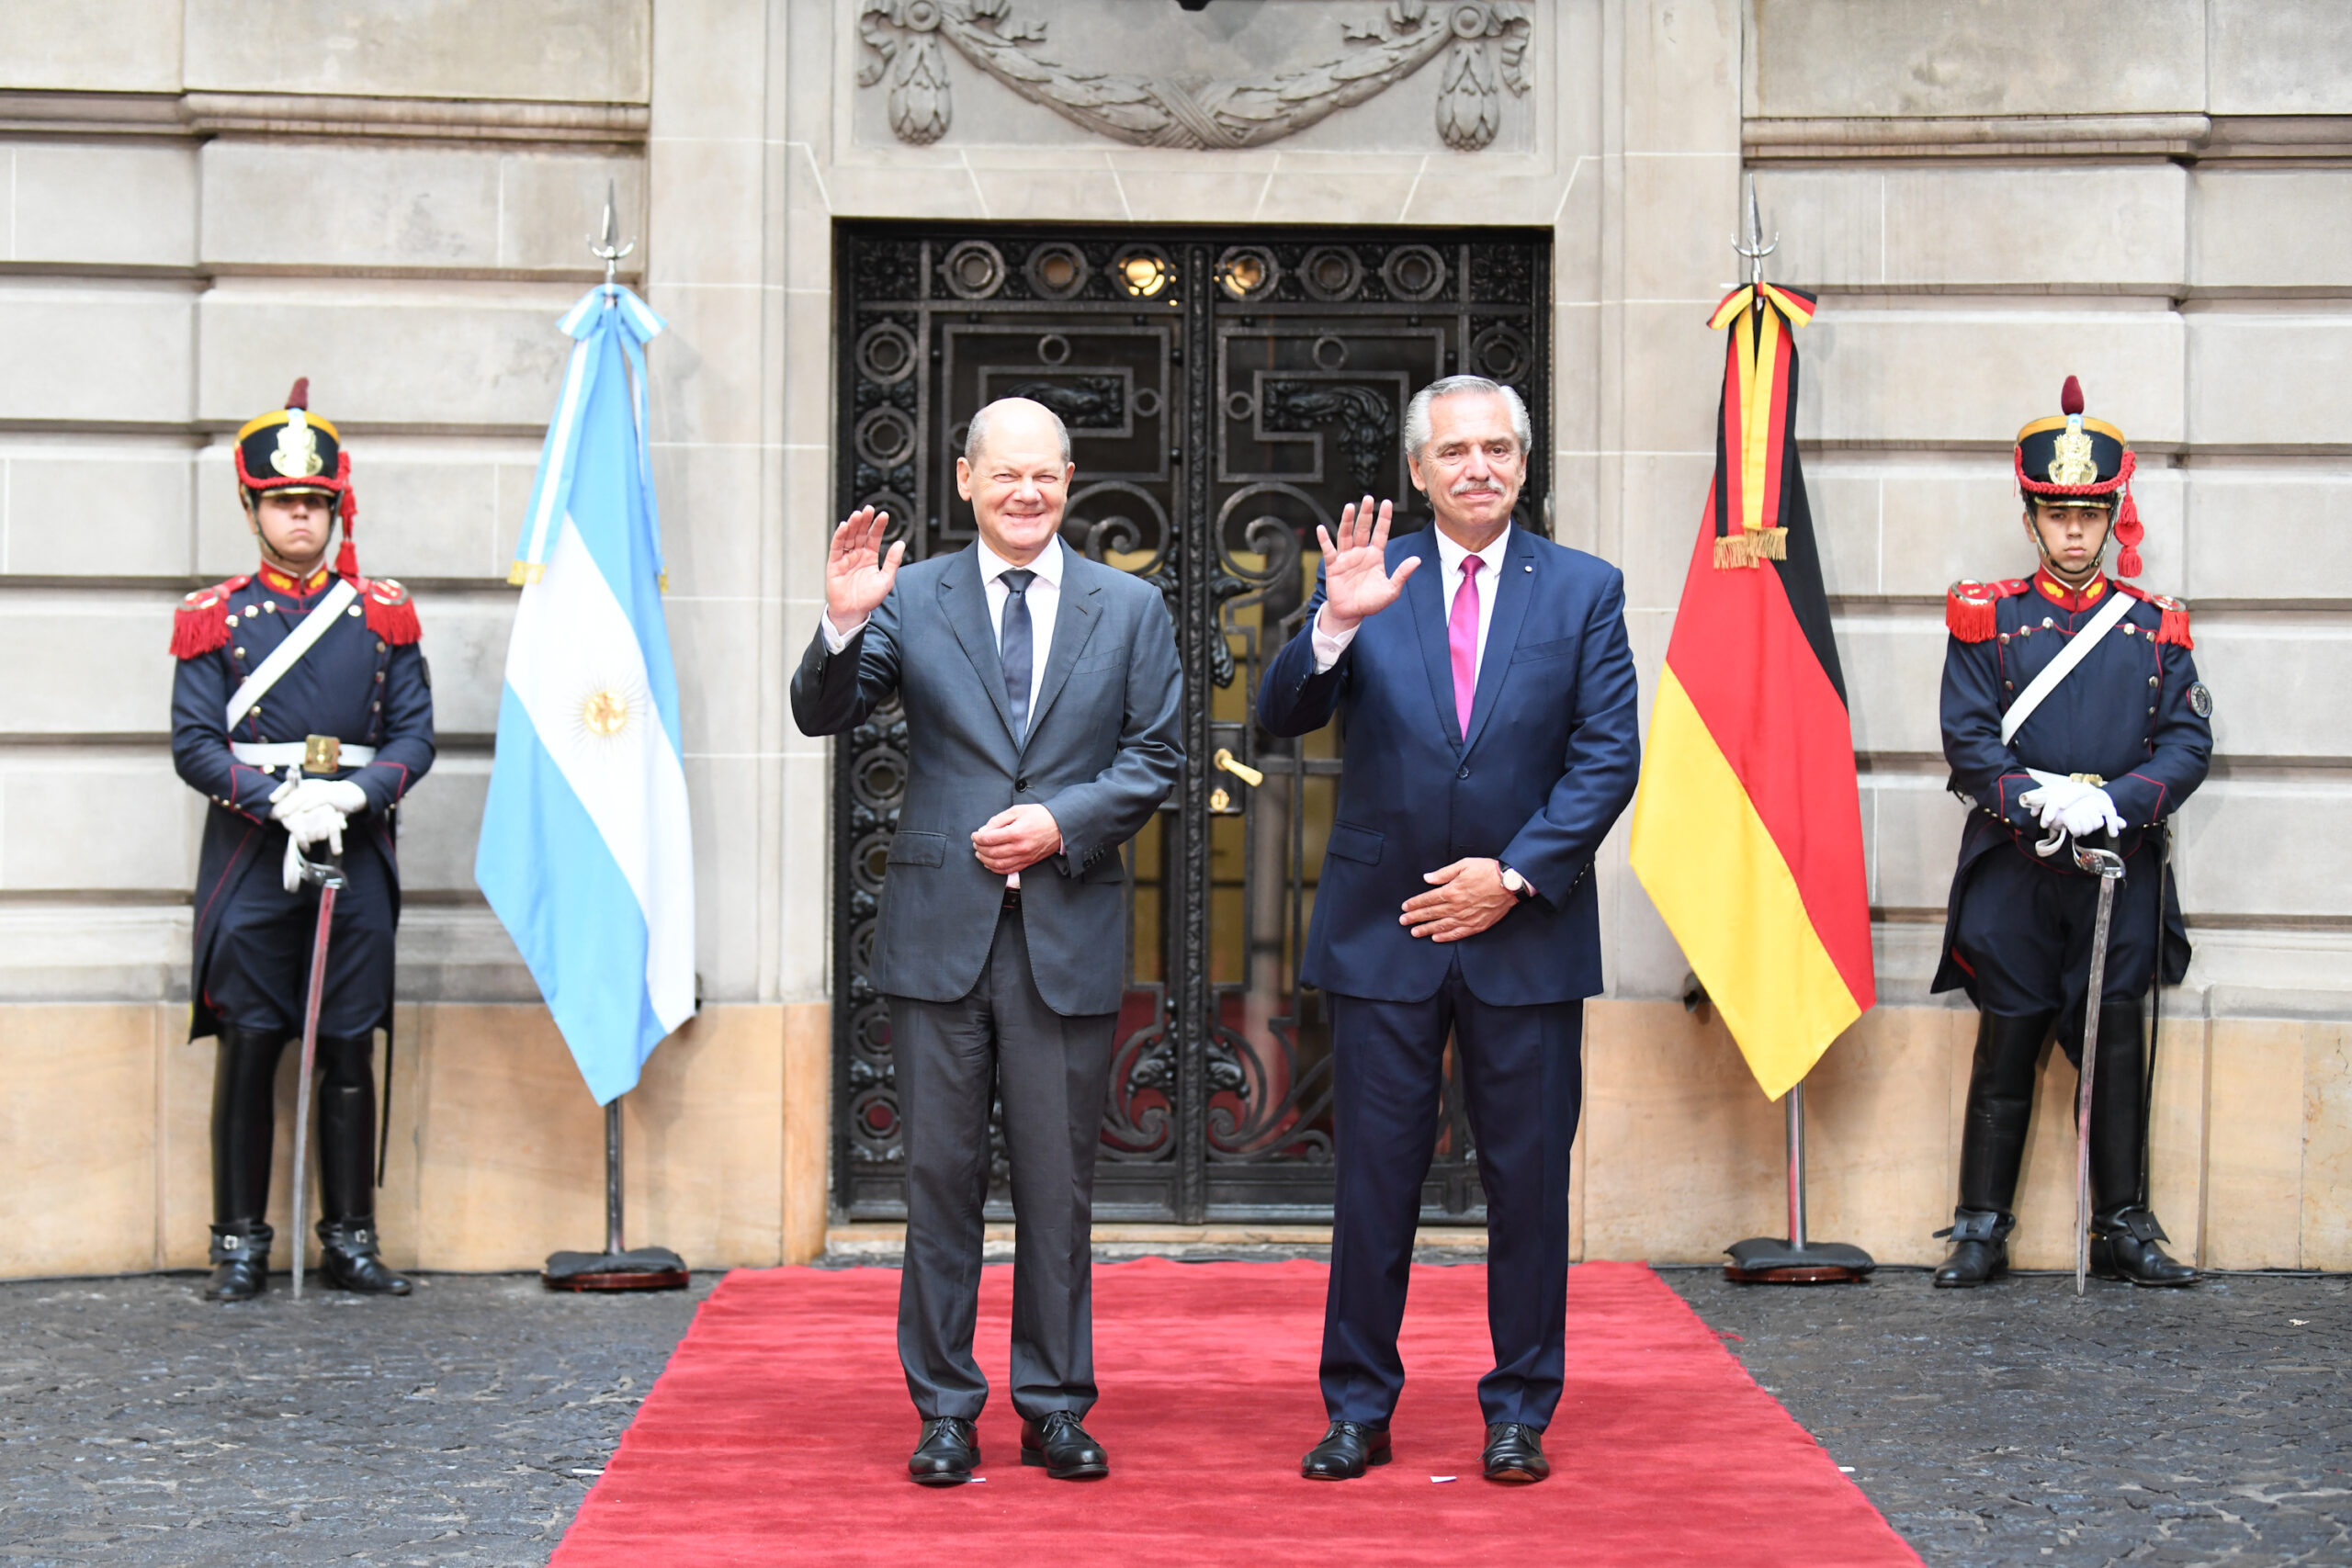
1772, 1260
617, 1268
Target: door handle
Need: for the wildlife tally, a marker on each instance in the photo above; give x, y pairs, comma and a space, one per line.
1242, 771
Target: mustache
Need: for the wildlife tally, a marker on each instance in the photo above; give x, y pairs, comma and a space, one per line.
1476, 487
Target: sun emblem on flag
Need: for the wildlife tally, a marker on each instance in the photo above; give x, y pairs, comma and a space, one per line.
607, 708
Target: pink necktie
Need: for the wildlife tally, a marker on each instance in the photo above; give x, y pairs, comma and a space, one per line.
1462, 637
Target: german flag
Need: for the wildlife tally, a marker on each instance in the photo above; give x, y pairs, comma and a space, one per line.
1748, 828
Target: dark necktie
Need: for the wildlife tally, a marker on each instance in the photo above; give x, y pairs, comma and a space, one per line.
1013, 647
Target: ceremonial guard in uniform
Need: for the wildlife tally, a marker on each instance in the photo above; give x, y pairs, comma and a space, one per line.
2071, 711
302, 712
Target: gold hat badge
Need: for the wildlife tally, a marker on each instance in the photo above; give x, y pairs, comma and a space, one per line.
2071, 462
296, 456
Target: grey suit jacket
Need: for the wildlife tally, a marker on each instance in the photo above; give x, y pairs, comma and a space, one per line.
1104, 750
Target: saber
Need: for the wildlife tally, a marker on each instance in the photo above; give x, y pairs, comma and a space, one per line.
2155, 1019
327, 876
2108, 867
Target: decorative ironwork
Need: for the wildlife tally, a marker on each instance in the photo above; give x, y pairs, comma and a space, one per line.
1225, 394
1484, 44
1084, 402
1366, 420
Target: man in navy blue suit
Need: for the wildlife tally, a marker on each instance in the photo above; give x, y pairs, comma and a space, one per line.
1491, 742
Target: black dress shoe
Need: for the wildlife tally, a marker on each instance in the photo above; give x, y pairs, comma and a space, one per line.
949, 1452
1980, 1248
1346, 1451
1515, 1452
240, 1258
2123, 1247
348, 1261
1061, 1445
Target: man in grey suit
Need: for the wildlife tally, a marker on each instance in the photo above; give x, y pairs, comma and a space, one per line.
1041, 692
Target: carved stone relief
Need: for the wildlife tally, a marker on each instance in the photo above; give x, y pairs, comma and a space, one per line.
1484, 43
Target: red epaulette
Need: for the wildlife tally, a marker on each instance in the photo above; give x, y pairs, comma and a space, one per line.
2172, 619
1970, 608
201, 623
392, 612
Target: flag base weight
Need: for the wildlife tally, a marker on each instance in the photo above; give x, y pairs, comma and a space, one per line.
1768, 1260
617, 1268
647, 1268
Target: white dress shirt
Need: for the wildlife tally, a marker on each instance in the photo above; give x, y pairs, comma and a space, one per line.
1043, 598
1450, 557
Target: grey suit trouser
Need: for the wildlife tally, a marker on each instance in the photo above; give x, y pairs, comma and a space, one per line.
1052, 1073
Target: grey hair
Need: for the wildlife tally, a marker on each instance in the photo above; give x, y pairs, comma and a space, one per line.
1416, 412
976, 435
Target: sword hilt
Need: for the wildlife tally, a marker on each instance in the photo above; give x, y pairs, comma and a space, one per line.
2098, 862
324, 872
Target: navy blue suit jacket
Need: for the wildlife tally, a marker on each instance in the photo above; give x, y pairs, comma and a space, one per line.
1549, 763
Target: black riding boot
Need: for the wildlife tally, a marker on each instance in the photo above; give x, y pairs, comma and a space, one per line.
245, 1123
2124, 1232
348, 1237
1991, 1145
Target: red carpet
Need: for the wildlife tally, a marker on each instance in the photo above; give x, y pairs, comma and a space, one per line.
779, 1431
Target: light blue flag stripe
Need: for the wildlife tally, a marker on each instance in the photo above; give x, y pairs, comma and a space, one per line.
554, 885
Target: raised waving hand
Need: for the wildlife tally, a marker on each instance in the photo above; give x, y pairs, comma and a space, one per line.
1356, 580
858, 576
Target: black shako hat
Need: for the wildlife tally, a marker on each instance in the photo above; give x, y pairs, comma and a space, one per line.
2071, 459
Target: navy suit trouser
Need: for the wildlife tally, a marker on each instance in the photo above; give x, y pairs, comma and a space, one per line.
1523, 1073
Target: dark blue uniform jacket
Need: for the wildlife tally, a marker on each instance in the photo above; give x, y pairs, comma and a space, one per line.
2128, 712
364, 681
1549, 765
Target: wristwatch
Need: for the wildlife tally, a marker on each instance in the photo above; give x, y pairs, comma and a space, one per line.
1517, 886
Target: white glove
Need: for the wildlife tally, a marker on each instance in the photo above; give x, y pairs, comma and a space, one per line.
2090, 811
308, 795
2052, 793
315, 823
303, 828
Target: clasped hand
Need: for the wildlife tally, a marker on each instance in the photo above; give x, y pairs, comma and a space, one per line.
1468, 897
312, 810
1016, 839
2070, 806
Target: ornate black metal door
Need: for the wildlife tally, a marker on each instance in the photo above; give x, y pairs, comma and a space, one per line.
1224, 393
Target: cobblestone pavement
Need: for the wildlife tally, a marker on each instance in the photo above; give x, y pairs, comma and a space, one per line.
140, 1425
2015, 1424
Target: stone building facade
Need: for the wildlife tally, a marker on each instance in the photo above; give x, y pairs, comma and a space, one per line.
204, 199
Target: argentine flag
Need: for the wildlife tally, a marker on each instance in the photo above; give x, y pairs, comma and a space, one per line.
585, 853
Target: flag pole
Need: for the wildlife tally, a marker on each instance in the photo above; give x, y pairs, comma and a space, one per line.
1796, 1099
617, 1268
1794, 1259
613, 1177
